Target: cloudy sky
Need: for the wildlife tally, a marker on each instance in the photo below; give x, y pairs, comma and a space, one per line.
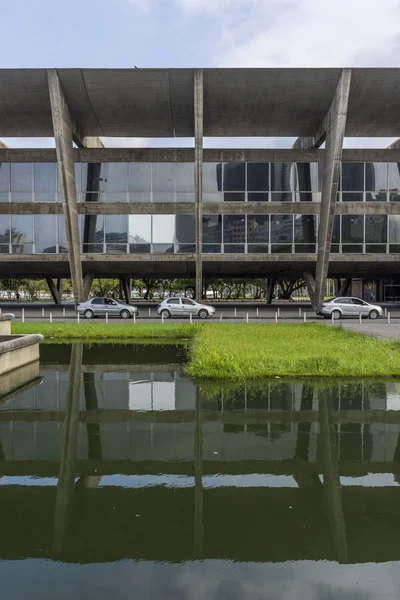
200, 33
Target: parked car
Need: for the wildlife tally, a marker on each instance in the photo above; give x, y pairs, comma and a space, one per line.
99, 307
180, 307
349, 307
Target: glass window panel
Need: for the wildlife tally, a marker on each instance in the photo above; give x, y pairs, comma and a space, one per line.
281, 197
5, 229
234, 230
21, 177
163, 248
116, 229
62, 238
116, 175
22, 229
257, 249
258, 197
4, 177
187, 248
352, 197
211, 248
212, 229
258, 177
91, 197
394, 229
305, 229
140, 248
212, 177
352, 248
45, 248
352, 228
234, 177
375, 229
335, 248
394, 176
281, 248
163, 177
185, 229
21, 197
376, 196
114, 197
394, 197
353, 177
394, 248
184, 177
336, 230
93, 248
258, 229
116, 248
307, 197
216, 197
234, 248
139, 196
45, 177
375, 248
46, 197
163, 197
92, 228
163, 229
139, 229
304, 248
234, 197
45, 229
281, 177
139, 177
281, 228
306, 177
376, 177
4, 197
4, 248
93, 177
22, 248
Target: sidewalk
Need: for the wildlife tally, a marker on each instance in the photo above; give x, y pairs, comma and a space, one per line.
380, 330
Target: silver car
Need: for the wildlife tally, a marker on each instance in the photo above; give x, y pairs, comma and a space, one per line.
99, 307
349, 307
181, 307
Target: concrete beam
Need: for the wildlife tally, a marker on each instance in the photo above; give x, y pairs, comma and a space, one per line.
333, 127
3, 145
198, 169
63, 129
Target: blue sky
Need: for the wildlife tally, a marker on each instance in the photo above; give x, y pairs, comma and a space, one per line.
202, 33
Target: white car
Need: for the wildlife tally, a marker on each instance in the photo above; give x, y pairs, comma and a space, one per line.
349, 307
180, 307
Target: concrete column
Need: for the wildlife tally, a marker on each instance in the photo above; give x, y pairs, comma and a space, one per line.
270, 283
333, 128
310, 283
198, 168
344, 288
198, 535
87, 284
127, 288
63, 130
66, 479
55, 290
332, 489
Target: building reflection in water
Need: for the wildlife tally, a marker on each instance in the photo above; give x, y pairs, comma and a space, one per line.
102, 464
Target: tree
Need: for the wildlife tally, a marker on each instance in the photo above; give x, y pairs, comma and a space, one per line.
289, 286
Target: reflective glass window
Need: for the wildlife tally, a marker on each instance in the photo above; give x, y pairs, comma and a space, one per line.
234, 197
234, 177
139, 177
93, 177
163, 229
375, 248
212, 177
336, 230
234, 248
62, 238
376, 178
92, 228
4, 177
185, 229
22, 229
116, 176
394, 229
352, 196
306, 177
234, 229
394, 177
258, 197
211, 248
281, 197
352, 228
45, 177
305, 229
281, 228
257, 248
375, 229
116, 229
258, 229
184, 177
45, 229
139, 229
258, 177
281, 177
353, 177
304, 248
212, 229
21, 177
281, 248
187, 248
163, 177
352, 248
5, 229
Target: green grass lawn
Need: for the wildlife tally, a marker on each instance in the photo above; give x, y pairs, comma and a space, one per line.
239, 351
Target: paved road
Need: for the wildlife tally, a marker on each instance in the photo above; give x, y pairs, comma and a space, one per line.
381, 329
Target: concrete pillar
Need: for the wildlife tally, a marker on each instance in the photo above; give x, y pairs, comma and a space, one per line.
55, 290
198, 534
127, 288
198, 167
87, 284
332, 489
344, 288
63, 130
333, 128
66, 478
270, 283
310, 283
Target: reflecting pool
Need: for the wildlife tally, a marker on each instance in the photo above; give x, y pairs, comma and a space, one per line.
122, 478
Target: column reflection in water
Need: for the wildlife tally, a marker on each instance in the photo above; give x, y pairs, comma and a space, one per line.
66, 479
198, 480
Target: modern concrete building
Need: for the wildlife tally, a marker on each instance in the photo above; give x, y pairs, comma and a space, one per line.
308, 212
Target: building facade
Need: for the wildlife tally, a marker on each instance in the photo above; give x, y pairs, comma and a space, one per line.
307, 212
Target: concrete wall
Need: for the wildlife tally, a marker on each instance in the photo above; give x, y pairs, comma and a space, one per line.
17, 351
5, 324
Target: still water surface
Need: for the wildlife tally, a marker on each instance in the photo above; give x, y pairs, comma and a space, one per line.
122, 478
